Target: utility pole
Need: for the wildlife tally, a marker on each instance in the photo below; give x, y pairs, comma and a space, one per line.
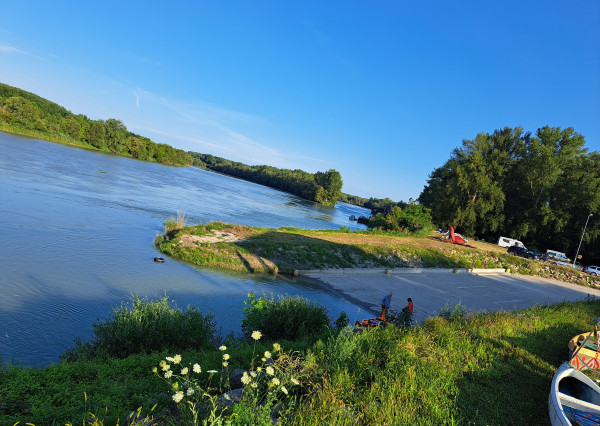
584, 228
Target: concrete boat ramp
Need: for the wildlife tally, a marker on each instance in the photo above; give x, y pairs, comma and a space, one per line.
431, 289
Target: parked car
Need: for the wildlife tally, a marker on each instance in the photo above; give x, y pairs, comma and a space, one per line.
523, 252
592, 270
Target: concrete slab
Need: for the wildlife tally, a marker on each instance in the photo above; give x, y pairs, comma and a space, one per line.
432, 290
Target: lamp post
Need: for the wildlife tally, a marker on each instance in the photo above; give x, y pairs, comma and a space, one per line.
586, 222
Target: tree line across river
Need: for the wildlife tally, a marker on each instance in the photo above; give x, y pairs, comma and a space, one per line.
537, 188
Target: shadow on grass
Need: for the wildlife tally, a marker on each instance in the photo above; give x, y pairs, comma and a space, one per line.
288, 251
514, 387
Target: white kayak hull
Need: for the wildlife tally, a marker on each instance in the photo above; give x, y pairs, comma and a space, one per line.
573, 396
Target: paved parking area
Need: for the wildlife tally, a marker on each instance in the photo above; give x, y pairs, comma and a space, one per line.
431, 289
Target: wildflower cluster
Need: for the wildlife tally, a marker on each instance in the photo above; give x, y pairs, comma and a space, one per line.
264, 386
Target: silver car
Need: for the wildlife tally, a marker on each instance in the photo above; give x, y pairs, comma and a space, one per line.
592, 270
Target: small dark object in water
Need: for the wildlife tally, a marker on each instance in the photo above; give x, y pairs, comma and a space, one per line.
159, 259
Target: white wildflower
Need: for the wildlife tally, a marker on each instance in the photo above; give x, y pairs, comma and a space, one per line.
177, 359
276, 347
178, 396
225, 357
275, 381
190, 392
284, 390
246, 379
197, 368
212, 371
270, 371
168, 374
294, 381
256, 335
223, 348
267, 354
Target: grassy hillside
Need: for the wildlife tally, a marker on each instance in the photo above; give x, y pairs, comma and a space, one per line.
489, 369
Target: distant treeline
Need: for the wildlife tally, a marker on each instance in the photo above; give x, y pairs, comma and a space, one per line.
380, 205
29, 114
322, 187
538, 188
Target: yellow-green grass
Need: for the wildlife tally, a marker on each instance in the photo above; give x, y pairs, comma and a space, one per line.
488, 369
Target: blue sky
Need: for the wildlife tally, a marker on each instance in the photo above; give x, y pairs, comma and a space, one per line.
381, 91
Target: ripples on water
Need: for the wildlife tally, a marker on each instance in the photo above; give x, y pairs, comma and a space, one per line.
76, 229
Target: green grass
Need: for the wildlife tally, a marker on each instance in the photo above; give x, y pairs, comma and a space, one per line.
488, 369
288, 249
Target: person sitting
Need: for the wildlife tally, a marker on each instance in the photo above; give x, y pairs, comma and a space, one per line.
407, 313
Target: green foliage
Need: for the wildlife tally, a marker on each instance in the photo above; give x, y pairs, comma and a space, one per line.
342, 321
538, 189
288, 318
108, 390
26, 113
414, 219
321, 187
148, 326
459, 311
468, 369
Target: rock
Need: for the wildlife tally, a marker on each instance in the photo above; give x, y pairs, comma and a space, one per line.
235, 379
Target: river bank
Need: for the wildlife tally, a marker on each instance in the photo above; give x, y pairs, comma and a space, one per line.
286, 250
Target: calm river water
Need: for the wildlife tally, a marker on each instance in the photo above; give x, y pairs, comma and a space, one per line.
76, 231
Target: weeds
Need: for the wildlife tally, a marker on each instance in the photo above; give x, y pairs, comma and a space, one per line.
288, 318
147, 326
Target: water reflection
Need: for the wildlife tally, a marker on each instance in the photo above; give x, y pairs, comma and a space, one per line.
77, 230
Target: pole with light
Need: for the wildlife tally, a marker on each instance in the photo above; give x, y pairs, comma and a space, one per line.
586, 222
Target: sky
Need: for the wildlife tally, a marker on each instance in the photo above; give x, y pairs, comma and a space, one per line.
381, 91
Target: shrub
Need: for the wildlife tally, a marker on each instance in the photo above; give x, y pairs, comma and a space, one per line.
288, 318
413, 219
148, 326
458, 312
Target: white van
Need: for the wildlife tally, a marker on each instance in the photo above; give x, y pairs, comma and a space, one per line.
557, 256
509, 242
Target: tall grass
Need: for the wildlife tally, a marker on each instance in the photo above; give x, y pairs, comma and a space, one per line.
488, 369
148, 326
175, 224
287, 318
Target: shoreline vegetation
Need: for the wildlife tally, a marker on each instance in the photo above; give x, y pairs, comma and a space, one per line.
285, 250
153, 363
27, 114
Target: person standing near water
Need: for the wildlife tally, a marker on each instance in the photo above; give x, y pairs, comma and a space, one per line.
385, 305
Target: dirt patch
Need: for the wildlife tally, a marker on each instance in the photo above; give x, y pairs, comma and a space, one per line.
189, 240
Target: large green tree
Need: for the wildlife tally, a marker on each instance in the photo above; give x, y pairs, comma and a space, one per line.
539, 189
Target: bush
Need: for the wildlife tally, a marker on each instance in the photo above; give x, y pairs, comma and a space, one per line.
288, 318
451, 314
414, 219
145, 327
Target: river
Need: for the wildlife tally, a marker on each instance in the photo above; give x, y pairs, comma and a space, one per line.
76, 231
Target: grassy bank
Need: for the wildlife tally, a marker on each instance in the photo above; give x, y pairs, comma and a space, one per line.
50, 137
487, 369
243, 248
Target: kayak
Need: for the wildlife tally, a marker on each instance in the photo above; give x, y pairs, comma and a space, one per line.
574, 398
